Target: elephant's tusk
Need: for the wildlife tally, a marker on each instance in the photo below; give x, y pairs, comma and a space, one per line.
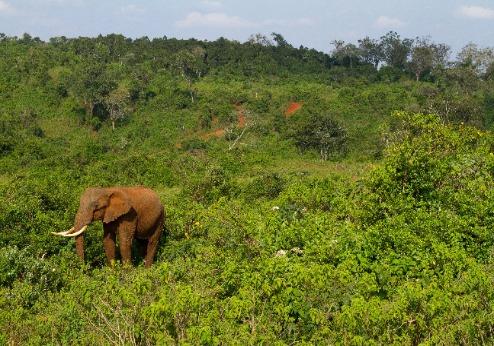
64, 232
75, 233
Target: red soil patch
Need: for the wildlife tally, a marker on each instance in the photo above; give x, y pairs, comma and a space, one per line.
216, 133
220, 132
292, 108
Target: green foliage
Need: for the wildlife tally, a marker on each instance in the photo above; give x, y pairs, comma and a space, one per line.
268, 186
19, 264
194, 144
265, 243
321, 133
216, 183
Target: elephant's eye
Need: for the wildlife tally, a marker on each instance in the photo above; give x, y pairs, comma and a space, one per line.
99, 206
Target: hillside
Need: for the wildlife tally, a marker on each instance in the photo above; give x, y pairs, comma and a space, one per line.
310, 197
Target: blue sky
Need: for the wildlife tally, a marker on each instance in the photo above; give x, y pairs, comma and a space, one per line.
313, 23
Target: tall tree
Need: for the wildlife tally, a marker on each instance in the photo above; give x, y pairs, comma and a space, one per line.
117, 104
395, 50
260, 39
477, 58
346, 54
90, 83
190, 64
280, 40
427, 56
371, 51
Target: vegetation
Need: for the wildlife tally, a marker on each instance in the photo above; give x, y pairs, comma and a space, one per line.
312, 198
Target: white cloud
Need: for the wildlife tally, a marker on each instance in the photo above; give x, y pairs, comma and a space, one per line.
220, 20
388, 22
476, 12
5, 7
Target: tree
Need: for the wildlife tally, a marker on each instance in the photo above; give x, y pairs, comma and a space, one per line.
477, 58
260, 39
427, 56
321, 133
489, 73
280, 40
90, 83
371, 51
395, 50
190, 64
117, 104
346, 54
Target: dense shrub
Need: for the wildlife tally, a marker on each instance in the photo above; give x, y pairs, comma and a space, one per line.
268, 186
214, 184
194, 144
320, 133
403, 255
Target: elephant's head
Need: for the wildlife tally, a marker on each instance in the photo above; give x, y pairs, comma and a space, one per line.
98, 204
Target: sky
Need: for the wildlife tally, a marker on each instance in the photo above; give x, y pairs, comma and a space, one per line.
312, 23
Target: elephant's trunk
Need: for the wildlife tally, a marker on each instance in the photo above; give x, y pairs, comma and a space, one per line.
82, 220
79, 246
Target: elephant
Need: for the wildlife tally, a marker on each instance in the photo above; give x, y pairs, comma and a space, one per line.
127, 213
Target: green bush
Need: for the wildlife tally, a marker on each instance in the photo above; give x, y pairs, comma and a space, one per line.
214, 184
265, 186
194, 144
320, 133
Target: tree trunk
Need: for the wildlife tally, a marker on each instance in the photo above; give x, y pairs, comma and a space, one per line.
89, 106
189, 82
91, 109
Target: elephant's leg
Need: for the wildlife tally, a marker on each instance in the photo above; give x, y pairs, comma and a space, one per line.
109, 242
126, 231
142, 245
153, 244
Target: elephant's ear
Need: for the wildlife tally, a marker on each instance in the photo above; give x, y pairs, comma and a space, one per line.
118, 205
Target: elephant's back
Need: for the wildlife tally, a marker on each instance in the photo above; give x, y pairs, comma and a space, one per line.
147, 204
144, 193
